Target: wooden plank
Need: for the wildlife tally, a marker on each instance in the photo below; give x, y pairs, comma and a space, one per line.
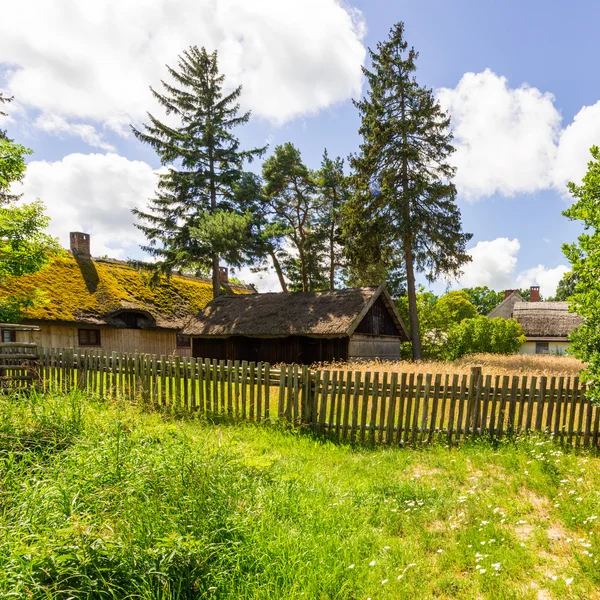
290, 394
331, 404
244, 390
251, 383
530, 402
444, 394
409, 404
281, 400
425, 411
596, 426
556, 430
383, 405
415, 423
463, 398
296, 395
347, 408
434, 406
355, 401
314, 403
323, 402
487, 388
259, 391
504, 398
339, 404
229, 374
267, 390
573, 407
236, 387
512, 407
550, 405
588, 423
391, 415
365, 406
522, 404
541, 403
453, 395
401, 403
375, 393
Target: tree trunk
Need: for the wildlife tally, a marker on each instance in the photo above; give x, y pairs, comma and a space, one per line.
412, 302
216, 276
279, 271
303, 268
331, 262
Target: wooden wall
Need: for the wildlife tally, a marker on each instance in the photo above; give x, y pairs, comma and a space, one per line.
378, 321
370, 347
157, 341
293, 349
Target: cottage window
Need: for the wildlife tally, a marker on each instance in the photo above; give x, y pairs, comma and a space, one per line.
542, 348
89, 337
184, 341
9, 335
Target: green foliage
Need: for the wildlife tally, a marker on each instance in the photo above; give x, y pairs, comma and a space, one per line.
291, 196
204, 162
403, 216
481, 334
484, 299
453, 307
566, 287
584, 256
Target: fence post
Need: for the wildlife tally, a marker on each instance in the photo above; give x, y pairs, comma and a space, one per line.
473, 397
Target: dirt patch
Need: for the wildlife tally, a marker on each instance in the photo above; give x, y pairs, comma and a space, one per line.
419, 471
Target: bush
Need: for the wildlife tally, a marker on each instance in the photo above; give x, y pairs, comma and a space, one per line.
480, 334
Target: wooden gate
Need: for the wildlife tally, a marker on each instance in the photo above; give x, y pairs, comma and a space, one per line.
18, 360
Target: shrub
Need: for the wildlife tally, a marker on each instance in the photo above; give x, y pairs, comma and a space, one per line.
480, 334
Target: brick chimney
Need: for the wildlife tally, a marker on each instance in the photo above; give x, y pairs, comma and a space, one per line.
507, 293
80, 244
224, 274
534, 293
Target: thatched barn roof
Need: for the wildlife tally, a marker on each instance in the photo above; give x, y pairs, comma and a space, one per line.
100, 291
545, 320
327, 314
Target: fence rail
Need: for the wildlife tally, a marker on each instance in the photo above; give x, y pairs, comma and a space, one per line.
390, 408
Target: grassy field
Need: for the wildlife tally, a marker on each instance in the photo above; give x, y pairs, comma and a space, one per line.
106, 500
492, 364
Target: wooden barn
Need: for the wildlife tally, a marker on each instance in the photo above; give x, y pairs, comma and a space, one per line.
303, 327
106, 304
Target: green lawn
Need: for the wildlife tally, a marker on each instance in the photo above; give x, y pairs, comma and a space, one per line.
106, 500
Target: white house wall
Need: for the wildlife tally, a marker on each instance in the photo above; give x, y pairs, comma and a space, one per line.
553, 347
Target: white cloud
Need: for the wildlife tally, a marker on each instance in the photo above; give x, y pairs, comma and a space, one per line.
493, 264
264, 281
95, 60
510, 140
505, 138
547, 279
574, 147
93, 193
55, 124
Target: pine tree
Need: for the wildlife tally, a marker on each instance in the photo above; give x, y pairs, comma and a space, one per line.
290, 192
334, 190
405, 200
204, 162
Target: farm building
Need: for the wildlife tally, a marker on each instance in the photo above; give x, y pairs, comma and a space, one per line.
303, 327
546, 325
109, 305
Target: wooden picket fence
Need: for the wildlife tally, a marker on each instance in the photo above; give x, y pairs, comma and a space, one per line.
390, 408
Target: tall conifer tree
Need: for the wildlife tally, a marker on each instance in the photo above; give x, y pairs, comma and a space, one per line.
205, 162
404, 214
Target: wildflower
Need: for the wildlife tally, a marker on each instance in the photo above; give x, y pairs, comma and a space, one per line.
482, 571
569, 580
386, 547
384, 581
440, 551
351, 567
372, 563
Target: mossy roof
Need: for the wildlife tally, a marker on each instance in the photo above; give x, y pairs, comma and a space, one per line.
91, 290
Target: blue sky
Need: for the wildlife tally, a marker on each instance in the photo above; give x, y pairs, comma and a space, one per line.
517, 78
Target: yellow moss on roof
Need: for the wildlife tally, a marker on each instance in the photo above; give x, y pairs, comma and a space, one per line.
87, 290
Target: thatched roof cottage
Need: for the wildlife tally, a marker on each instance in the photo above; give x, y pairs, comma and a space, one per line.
546, 325
109, 305
302, 327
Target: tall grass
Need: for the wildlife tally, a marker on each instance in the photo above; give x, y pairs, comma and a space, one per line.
108, 500
492, 364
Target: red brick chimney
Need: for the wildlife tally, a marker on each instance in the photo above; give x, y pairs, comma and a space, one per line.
534, 293
224, 274
80, 244
507, 293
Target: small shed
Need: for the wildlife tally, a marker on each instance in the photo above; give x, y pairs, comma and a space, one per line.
302, 327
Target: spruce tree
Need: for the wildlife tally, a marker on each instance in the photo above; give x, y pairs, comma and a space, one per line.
204, 162
404, 213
